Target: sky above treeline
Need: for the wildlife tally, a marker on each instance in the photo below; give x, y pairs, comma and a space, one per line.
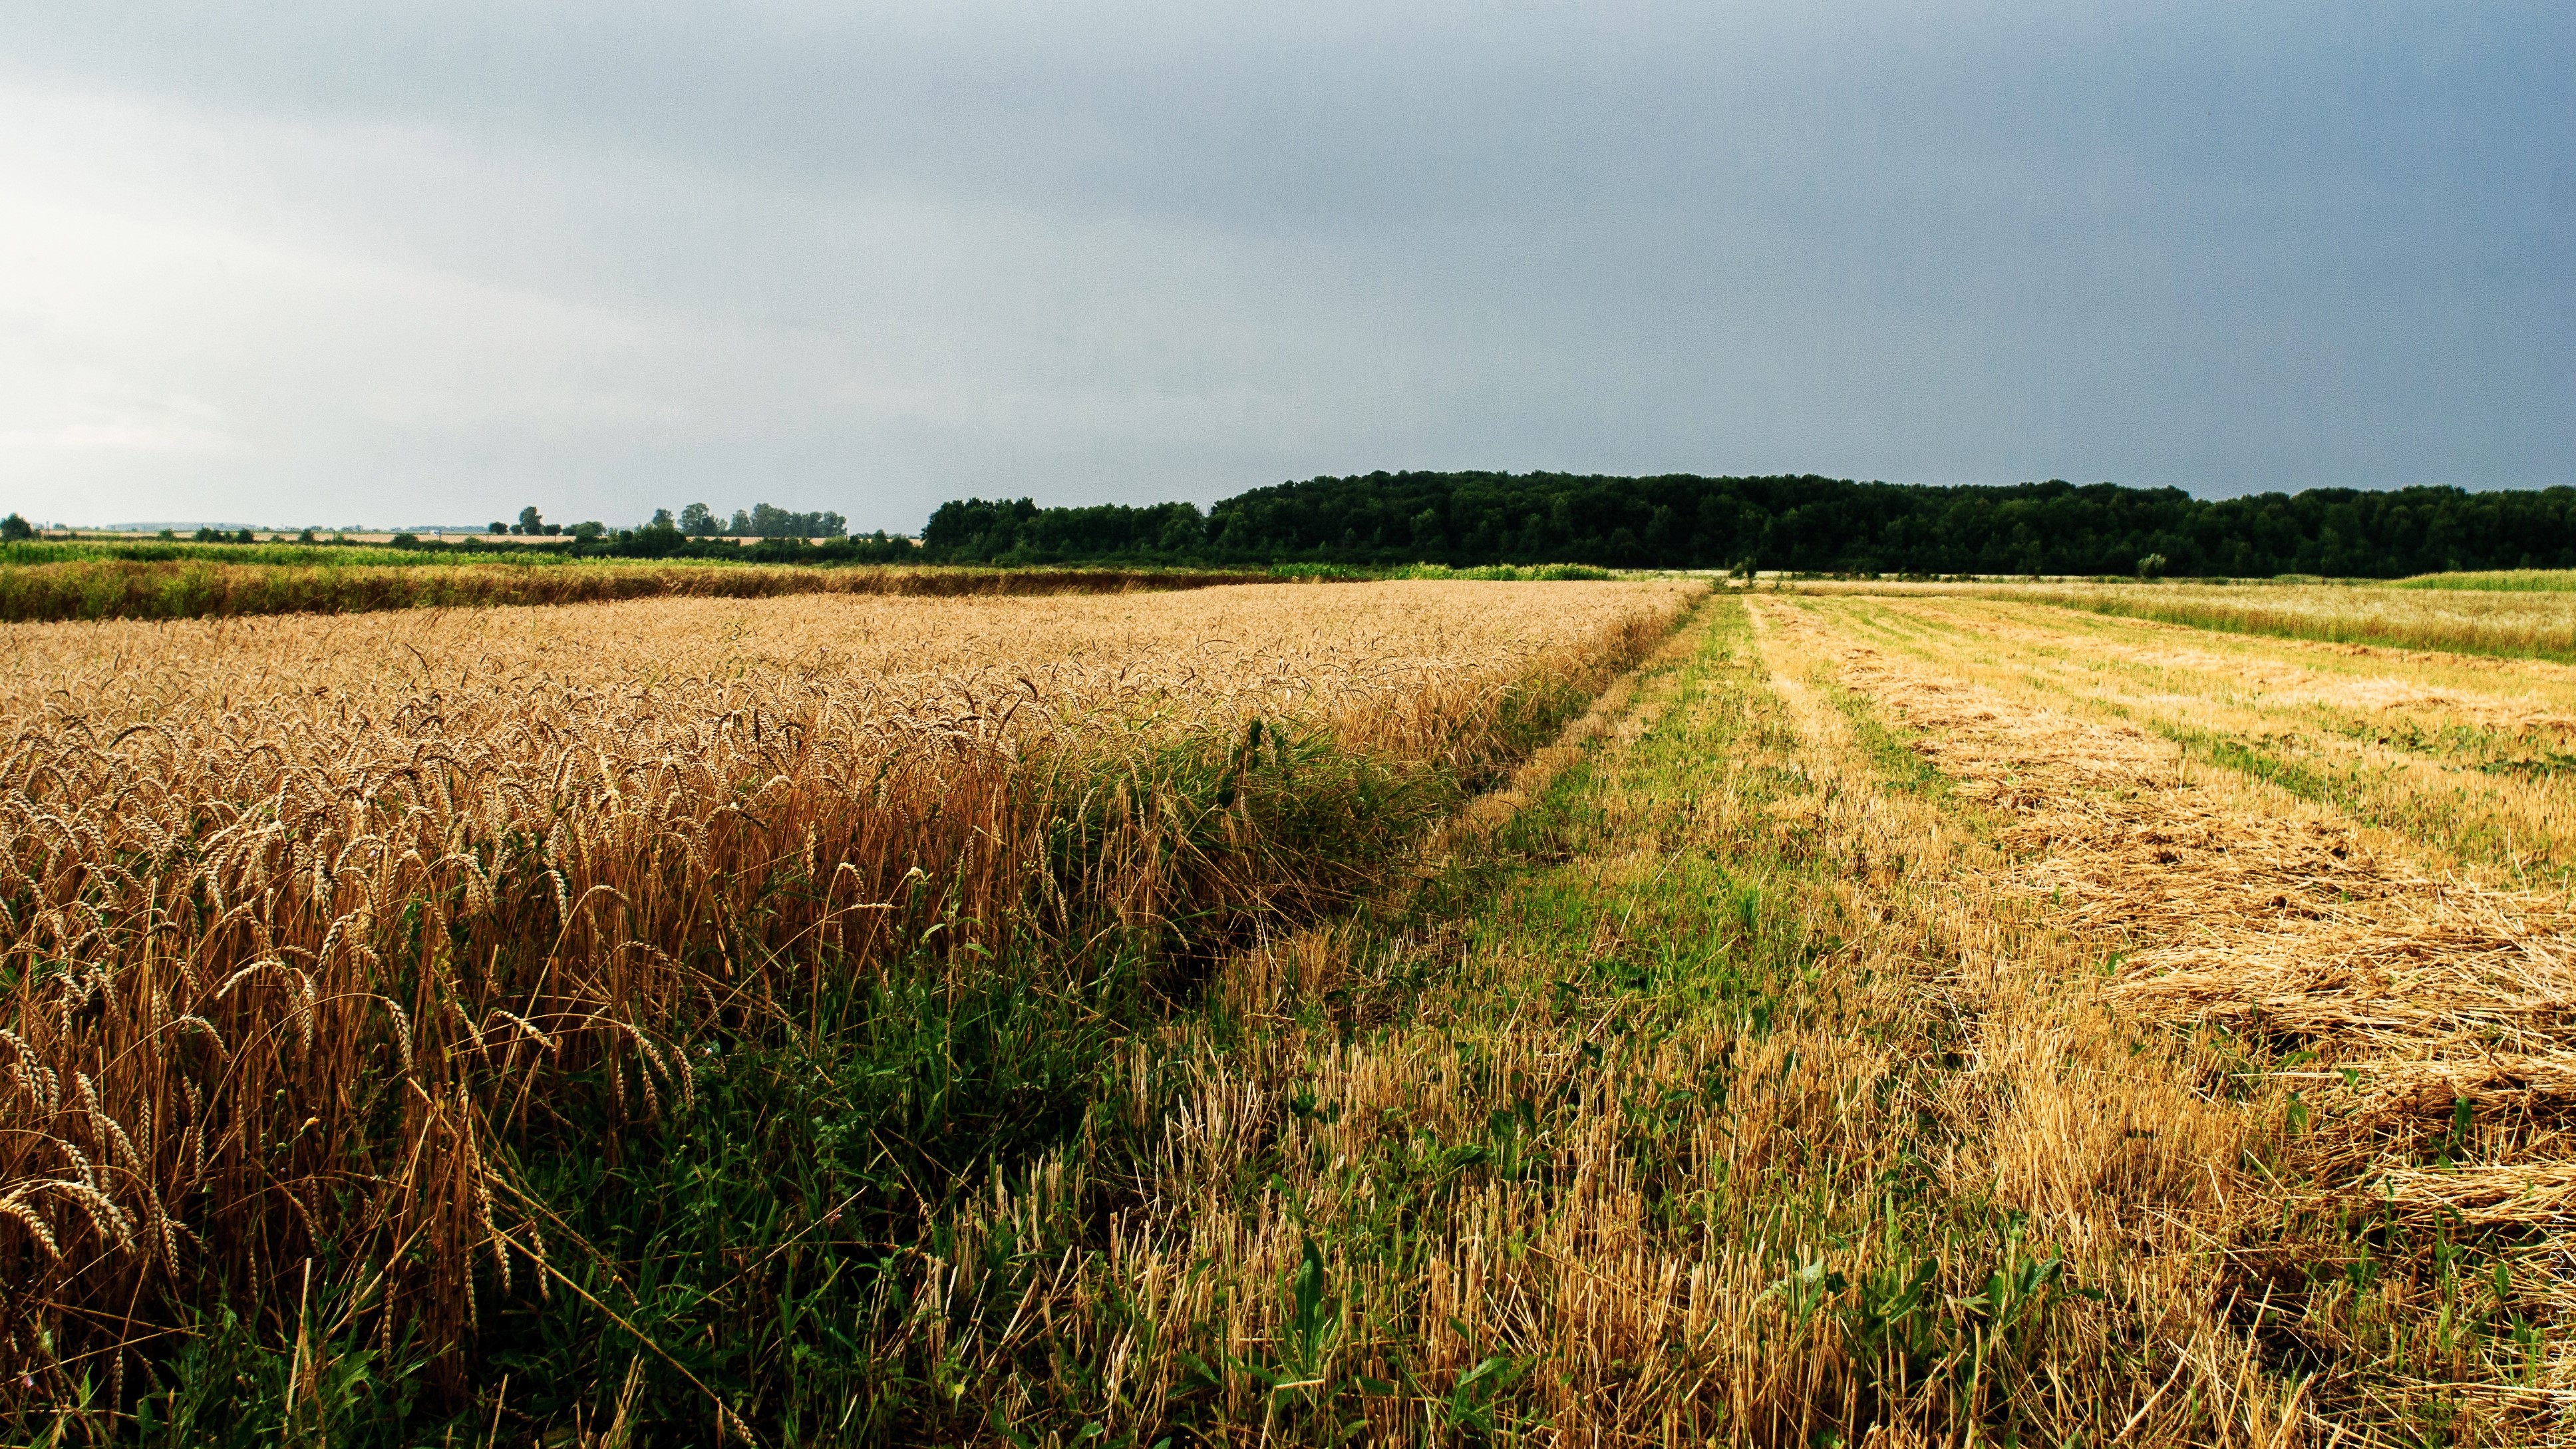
346, 261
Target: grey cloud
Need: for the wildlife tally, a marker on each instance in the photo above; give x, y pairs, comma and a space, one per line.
869, 257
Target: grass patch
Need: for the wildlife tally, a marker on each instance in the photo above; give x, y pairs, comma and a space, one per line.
1893, 750
2258, 760
2447, 819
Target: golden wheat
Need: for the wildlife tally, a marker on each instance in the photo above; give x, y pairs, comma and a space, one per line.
209, 588
299, 916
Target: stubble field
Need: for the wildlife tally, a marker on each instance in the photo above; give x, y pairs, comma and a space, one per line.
1895, 1016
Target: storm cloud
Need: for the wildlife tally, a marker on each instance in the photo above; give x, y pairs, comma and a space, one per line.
356, 261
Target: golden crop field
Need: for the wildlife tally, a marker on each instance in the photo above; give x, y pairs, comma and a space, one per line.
213, 581
303, 916
1868, 1015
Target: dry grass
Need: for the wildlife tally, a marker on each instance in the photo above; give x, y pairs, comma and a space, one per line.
2504, 622
1883, 1038
2398, 1037
2467, 756
1754, 1115
305, 917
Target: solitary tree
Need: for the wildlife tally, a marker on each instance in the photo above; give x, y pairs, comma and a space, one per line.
529, 522
16, 529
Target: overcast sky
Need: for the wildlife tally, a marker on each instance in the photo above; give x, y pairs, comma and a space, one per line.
349, 261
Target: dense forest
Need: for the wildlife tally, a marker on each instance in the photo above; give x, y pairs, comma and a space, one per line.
1803, 523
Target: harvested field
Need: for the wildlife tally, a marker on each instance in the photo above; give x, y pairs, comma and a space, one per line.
2534, 622
2386, 996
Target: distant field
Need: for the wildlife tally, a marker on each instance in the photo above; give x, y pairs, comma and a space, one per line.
2507, 580
356, 554
2523, 621
2520, 623
214, 587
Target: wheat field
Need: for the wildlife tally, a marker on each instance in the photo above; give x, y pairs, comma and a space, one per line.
302, 915
208, 581
1441, 1013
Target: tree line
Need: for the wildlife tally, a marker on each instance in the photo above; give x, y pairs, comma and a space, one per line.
697, 520
1803, 523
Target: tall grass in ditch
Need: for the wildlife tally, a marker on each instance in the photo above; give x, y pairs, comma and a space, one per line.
196, 589
320, 940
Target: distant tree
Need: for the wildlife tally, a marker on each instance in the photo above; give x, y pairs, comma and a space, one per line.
307, 535
16, 529
699, 521
976, 530
659, 538
767, 521
529, 522
590, 529
741, 525
2152, 566
210, 534
403, 540
497, 527
243, 536
166, 533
